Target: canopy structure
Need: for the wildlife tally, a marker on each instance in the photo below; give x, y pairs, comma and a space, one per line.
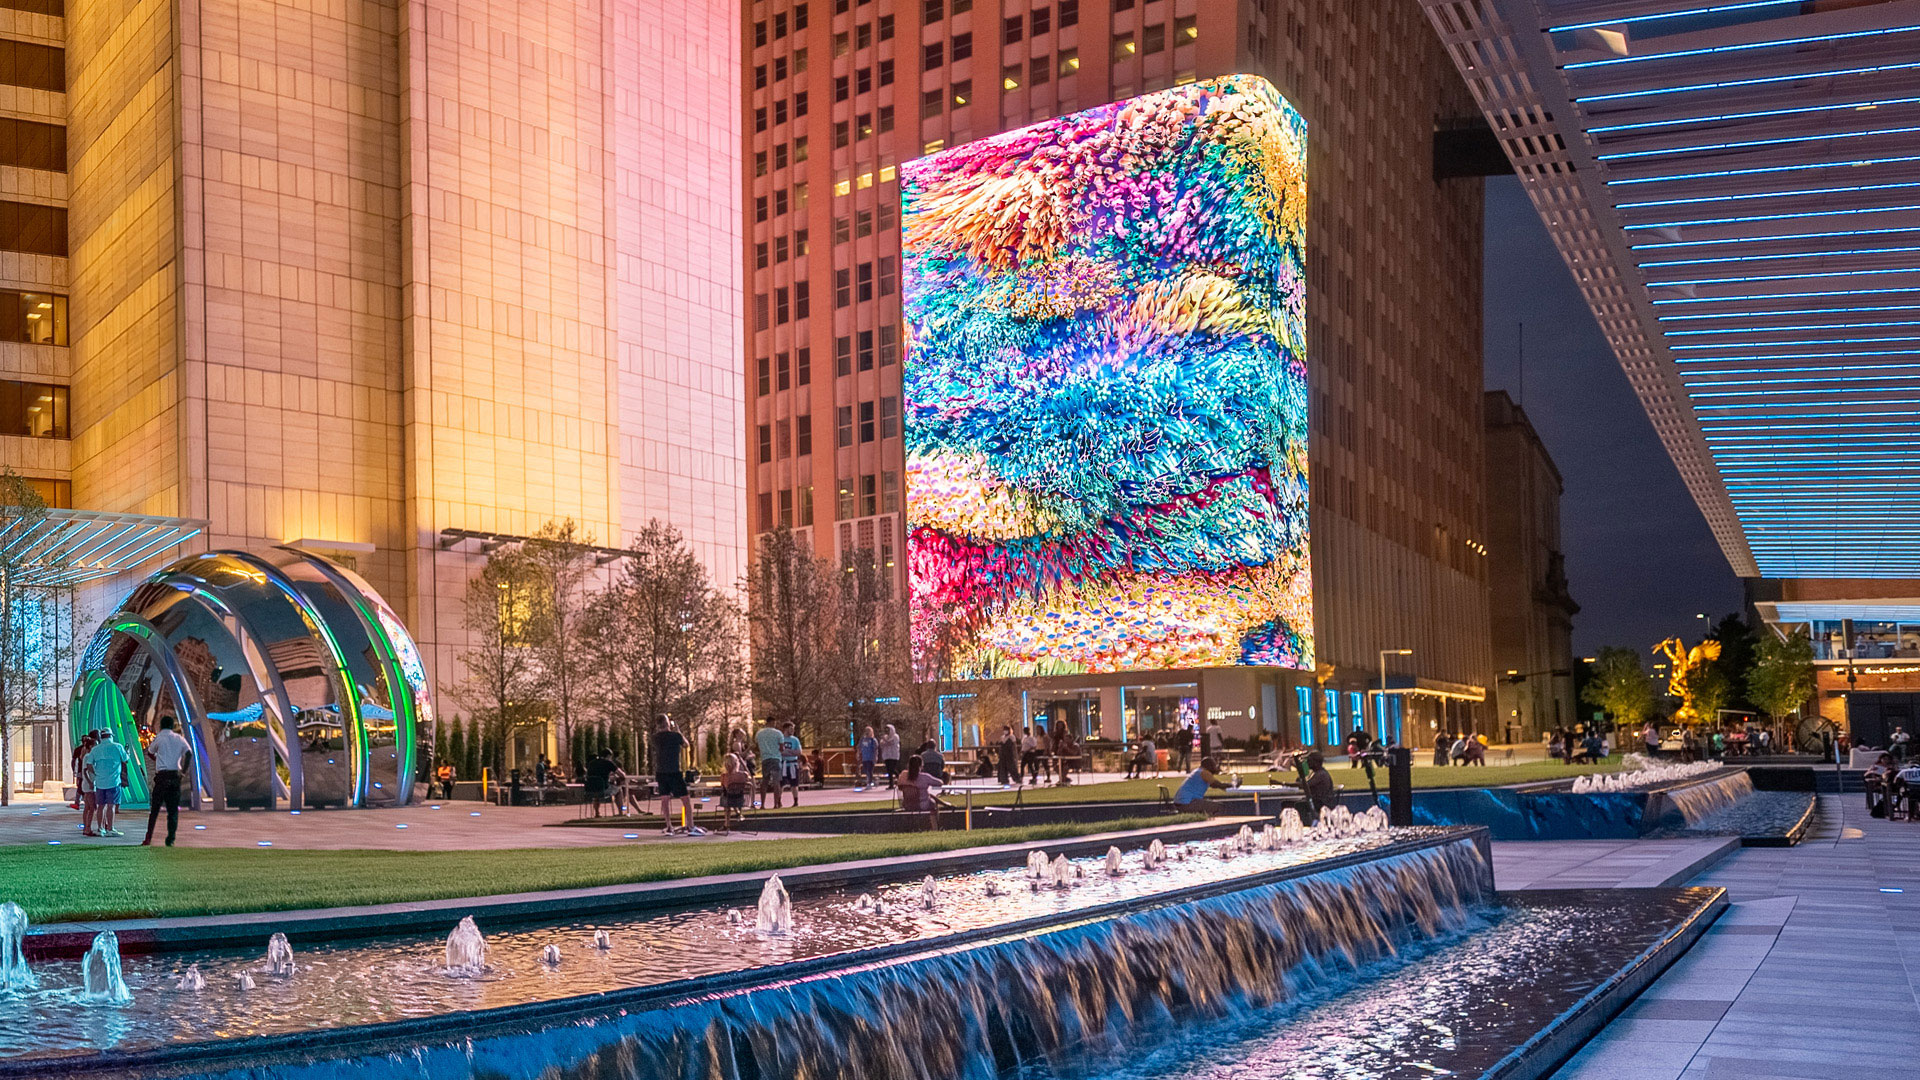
69, 547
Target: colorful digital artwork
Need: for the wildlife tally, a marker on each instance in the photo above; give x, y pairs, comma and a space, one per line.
1106, 391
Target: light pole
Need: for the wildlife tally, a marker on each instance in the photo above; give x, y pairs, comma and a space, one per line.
1380, 701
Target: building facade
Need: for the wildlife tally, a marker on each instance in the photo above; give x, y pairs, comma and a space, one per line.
370, 277
1531, 617
838, 93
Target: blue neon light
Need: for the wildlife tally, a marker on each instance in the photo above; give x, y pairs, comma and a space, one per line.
1755, 115
1762, 170
1781, 296
1303, 697
1847, 190
1782, 277
1748, 46
1749, 218
1657, 16
1780, 344
1726, 84
1797, 356
1771, 237
1333, 717
1788, 255
1745, 144
1783, 329
1796, 311
1357, 710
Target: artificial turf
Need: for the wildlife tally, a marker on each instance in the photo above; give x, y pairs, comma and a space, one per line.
73, 883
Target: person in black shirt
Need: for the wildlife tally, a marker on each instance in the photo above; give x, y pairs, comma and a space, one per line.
1321, 794
599, 771
669, 771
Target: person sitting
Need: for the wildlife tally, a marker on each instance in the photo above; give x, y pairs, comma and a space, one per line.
918, 790
1321, 793
932, 761
1879, 782
817, 768
1142, 759
1192, 794
599, 775
736, 783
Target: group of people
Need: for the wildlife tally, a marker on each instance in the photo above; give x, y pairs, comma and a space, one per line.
1575, 747
101, 770
1461, 748
1193, 794
1888, 783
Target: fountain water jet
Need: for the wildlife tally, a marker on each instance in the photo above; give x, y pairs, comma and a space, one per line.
244, 980
776, 908
191, 980
279, 955
1156, 856
100, 971
14, 973
929, 894
1114, 868
550, 956
866, 905
1037, 865
602, 940
1061, 872
466, 949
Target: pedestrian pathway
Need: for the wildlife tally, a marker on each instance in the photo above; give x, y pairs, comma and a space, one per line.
1812, 974
1604, 864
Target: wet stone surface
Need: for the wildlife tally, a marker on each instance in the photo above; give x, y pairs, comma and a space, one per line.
1761, 814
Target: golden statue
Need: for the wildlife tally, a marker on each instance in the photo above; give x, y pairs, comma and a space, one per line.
1683, 665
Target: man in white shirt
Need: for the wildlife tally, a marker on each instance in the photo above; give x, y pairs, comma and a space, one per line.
170, 754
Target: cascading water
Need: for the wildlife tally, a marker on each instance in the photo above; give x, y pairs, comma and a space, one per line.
466, 949
279, 955
776, 908
14, 973
1695, 801
100, 971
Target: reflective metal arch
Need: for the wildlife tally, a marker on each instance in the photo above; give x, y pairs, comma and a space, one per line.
296, 683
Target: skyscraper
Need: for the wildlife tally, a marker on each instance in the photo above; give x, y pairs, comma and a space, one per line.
840, 93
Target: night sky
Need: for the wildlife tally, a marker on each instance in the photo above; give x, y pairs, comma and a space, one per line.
1640, 560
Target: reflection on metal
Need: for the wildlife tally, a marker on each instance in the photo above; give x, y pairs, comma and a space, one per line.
67, 547
296, 684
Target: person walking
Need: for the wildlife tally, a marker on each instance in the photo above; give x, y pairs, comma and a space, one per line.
169, 755
767, 742
890, 754
790, 751
1189, 734
108, 763
542, 772
669, 749
869, 756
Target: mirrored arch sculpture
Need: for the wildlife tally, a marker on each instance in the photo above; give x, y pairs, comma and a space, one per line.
295, 683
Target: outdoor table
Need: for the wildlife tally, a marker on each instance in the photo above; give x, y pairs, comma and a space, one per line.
1257, 790
968, 787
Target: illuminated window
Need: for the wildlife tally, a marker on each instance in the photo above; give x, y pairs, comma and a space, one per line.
962, 92
57, 494
1303, 705
805, 493
864, 122
799, 61
886, 174
1186, 28
799, 196
841, 187
864, 181
1069, 62
934, 146
1124, 47
1010, 78
843, 501
1184, 78
840, 45
800, 149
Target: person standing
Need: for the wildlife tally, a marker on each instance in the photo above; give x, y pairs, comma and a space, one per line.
108, 763
599, 776
83, 781
445, 775
669, 749
869, 756
1322, 795
767, 742
1030, 755
1216, 740
790, 751
1650, 738
1188, 736
1009, 757
890, 753
169, 754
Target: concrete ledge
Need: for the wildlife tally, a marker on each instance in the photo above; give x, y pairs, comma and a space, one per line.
1684, 867
58, 940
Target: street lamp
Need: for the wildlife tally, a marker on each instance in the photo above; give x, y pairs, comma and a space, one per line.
1380, 701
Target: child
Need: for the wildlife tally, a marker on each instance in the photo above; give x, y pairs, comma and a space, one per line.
735, 783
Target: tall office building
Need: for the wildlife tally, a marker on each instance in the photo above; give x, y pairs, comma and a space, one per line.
1532, 610
382, 280
839, 93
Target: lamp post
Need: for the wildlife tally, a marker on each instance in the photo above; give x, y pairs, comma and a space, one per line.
1380, 701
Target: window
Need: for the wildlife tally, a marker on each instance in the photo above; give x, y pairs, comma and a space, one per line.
786, 507
885, 217
779, 68
842, 135
889, 418
962, 92
886, 73
805, 493
931, 104
1124, 47
799, 105
759, 76
36, 318
866, 350
759, 163
779, 249
886, 28
759, 120
842, 230
841, 46
800, 245
864, 274
866, 422
933, 56
781, 429
803, 368
763, 383
1010, 78
888, 277
33, 228
759, 33
863, 36
933, 146
1069, 62
799, 197
783, 371
863, 126
780, 202
780, 156
889, 344
886, 119
29, 144
780, 25
1014, 31
933, 11
1039, 70
802, 299
760, 256
799, 61
33, 410
766, 509
869, 503
779, 112
863, 81
960, 7
1069, 13
962, 47
760, 318
1185, 29
1042, 21
842, 89
799, 18
766, 443
844, 417
799, 149
1123, 5
1156, 39
843, 356
842, 288
843, 502
803, 435
889, 493
863, 223
782, 305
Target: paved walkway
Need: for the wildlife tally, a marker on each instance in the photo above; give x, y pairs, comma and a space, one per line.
1604, 864
1812, 974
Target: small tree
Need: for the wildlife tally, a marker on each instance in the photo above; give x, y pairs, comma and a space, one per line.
1735, 663
869, 655
791, 601
1620, 686
559, 567
39, 636
502, 687
1782, 678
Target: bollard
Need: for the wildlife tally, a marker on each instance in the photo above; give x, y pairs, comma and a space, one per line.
1400, 786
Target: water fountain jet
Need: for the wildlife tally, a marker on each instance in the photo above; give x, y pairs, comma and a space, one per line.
191, 980
466, 949
550, 956
929, 894
1114, 868
776, 908
1061, 872
602, 940
14, 973
1156, 855
1037, 865
100, 971
279, 955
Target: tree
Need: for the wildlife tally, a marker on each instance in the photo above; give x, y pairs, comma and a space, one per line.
1620, 686
1782, 677
559, 567
1737, 644
502, 687
791, 601
662, 639
38, 624
869, 643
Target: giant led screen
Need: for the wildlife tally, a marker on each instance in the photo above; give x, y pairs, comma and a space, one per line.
1106, 390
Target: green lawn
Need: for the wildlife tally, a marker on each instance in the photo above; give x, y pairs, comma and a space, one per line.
1425, 776
74, 883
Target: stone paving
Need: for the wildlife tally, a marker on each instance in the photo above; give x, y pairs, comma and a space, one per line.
1813, 973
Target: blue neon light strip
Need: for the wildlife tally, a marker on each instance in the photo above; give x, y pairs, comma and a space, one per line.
1303, 698
1782, 344
1777, 296
1749, 195
1795, 311
1749, 46
1781, 277
1787, 255
1747, 144
1715, 9
1763, 170
1728, 84
1755, 115
1770, 237
1784, 329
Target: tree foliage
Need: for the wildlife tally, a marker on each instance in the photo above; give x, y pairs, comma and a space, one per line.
1782, 677
1737, 644
1620, 686
502, 684
559, 564
39, 627
791, 601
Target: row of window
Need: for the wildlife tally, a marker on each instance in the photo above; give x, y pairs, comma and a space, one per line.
959, 48
863, 80
867, 422
1039, 70
783, 66
859, 350
783, 155
780, 26
857, 283
784, 371
934, 102
33, 229
1153, 39
868, 495
33, 410
864, 36
36, 67
785, 439
782, 111
796, 507
783, 201
864, 222
782, 306
864, 126
29, 144
784, 247
35, 318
